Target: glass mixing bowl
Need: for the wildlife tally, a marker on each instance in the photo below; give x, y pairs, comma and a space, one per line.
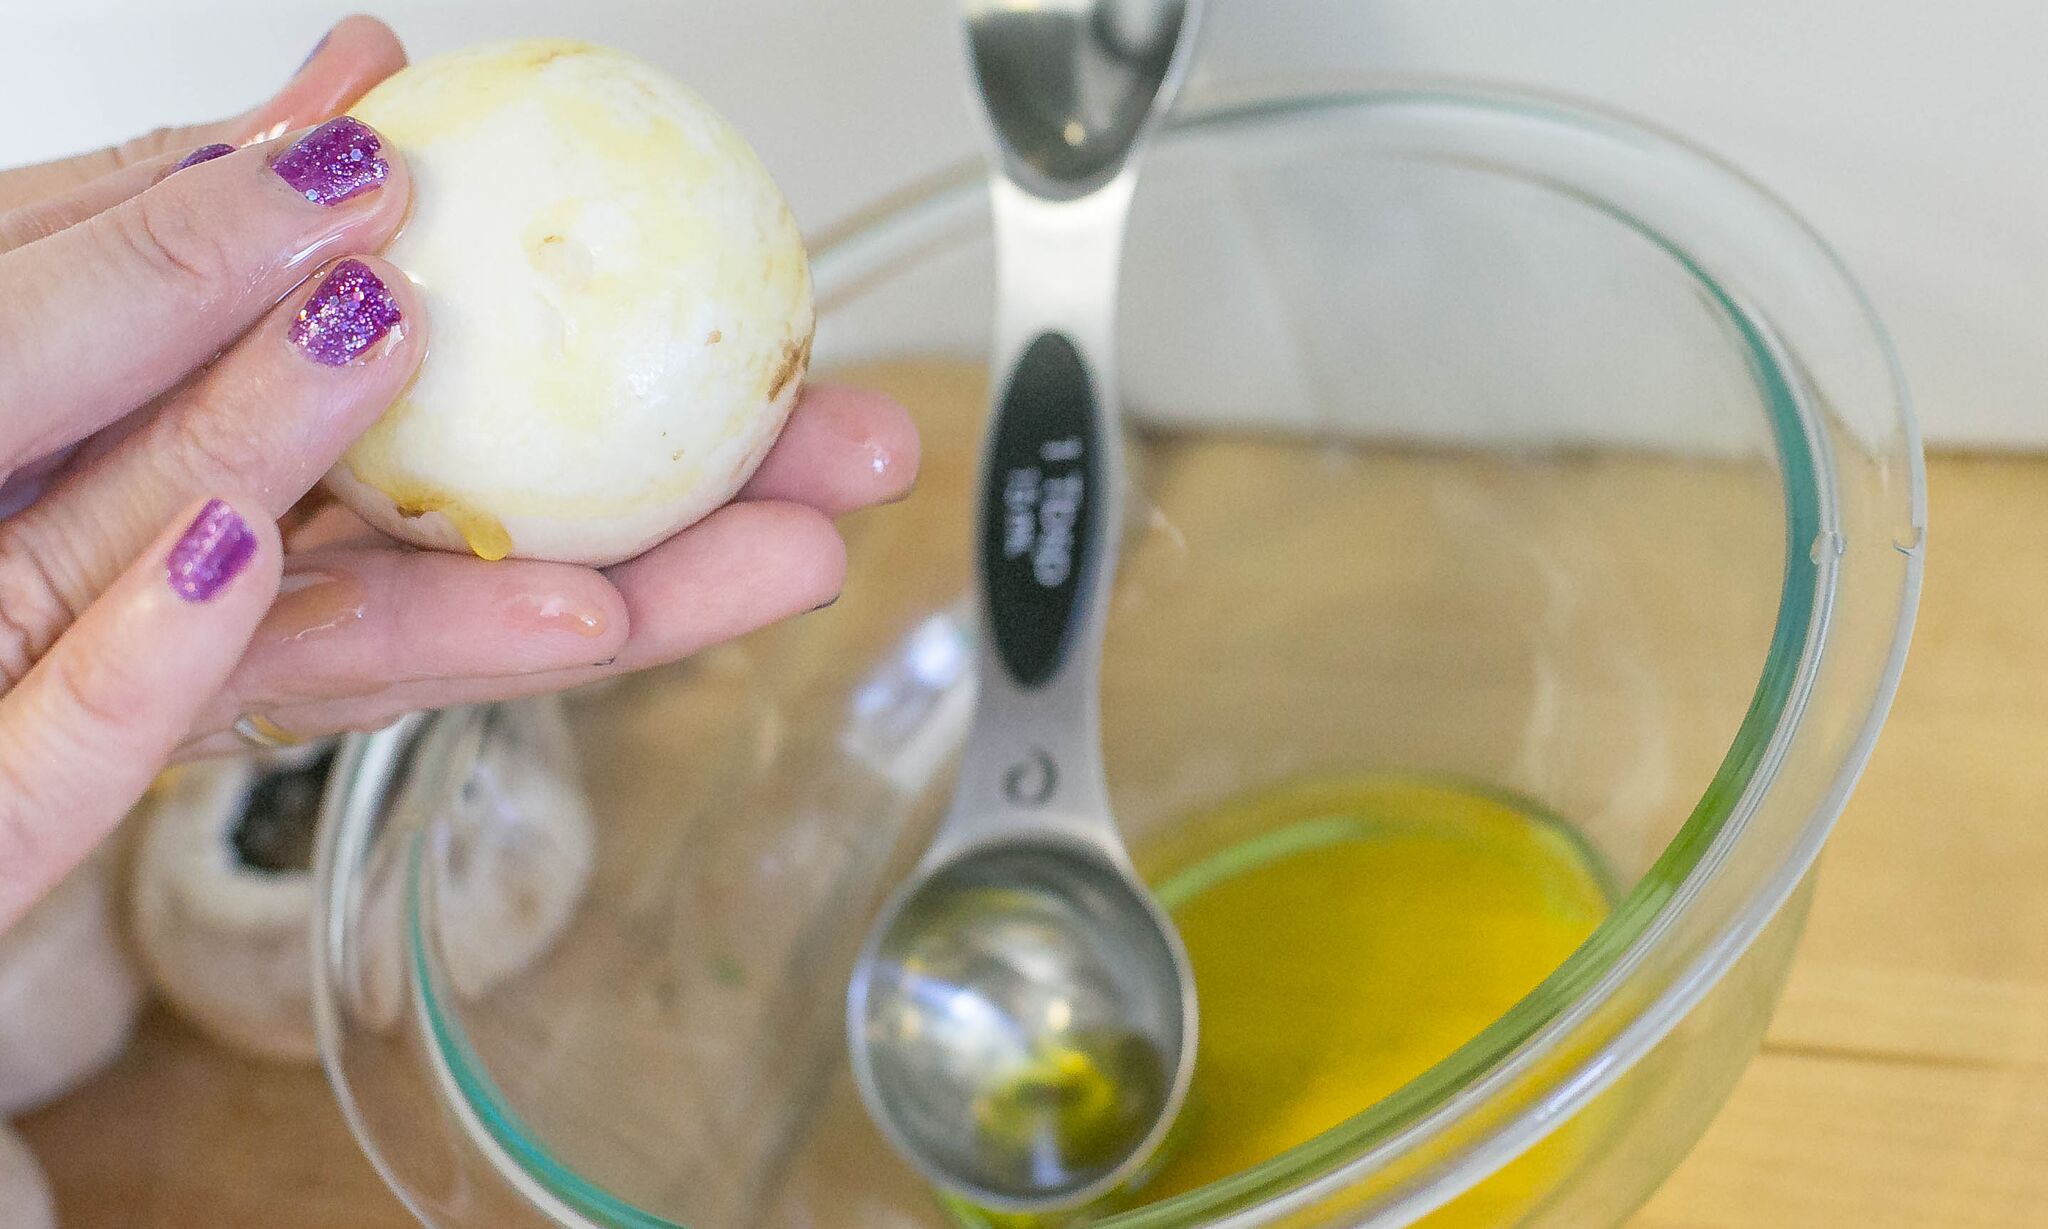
1475, 435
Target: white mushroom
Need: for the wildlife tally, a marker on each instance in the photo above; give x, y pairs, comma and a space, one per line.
518, 852
69, 993
223, 892
25, 1199
621, 303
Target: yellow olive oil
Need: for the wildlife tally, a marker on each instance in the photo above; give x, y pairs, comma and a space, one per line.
1347, 935
1078, 1102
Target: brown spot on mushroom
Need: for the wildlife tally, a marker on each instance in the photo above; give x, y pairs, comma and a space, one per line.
714, 338
548, 55
796, 358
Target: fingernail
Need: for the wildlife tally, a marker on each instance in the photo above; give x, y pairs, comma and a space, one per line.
334, 162
205, 153
345, 316
534, 612
312, 606
212, 551
314, 54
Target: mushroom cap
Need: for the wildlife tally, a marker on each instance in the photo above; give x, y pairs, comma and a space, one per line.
227, 945
621, 306
230, 946
513, 855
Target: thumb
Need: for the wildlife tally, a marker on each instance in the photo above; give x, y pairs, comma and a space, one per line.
87, 729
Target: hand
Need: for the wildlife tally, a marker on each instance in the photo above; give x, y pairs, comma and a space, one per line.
160, 413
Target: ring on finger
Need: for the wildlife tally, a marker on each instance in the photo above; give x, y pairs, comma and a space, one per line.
260, 733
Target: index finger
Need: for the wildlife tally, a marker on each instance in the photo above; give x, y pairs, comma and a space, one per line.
105, 315
82, 735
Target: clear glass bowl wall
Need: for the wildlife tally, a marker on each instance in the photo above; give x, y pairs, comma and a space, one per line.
1475, 435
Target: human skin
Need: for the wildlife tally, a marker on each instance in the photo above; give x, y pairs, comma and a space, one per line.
165, 413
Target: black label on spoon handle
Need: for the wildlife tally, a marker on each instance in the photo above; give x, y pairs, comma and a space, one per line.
1040, 498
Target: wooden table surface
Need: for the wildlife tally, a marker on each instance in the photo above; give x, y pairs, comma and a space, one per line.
1904, 1082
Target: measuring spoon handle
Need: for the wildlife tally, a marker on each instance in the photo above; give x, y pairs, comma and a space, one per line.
1048, 521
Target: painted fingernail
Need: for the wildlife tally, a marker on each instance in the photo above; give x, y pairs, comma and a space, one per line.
345, 316
205, 153
212, 551
334, 162
314, 54
536, 612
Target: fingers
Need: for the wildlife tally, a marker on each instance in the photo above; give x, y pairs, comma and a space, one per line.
104, 315
270, 418
353, 621
743, 567
383, 631
351, 58
42, 218
842, 449
365, 631
85, 731
419, 630
354, 56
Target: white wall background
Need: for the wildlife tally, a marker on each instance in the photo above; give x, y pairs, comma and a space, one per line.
1914, 135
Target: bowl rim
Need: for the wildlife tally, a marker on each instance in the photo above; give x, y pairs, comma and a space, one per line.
932, 210
939, 211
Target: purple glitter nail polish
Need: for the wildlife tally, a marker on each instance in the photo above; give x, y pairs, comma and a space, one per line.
334, 162
205, 153
211, 552
345, 316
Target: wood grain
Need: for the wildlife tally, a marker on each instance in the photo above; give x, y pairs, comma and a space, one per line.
1904, 1082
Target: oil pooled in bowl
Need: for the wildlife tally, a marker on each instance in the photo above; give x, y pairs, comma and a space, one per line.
1347, 935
